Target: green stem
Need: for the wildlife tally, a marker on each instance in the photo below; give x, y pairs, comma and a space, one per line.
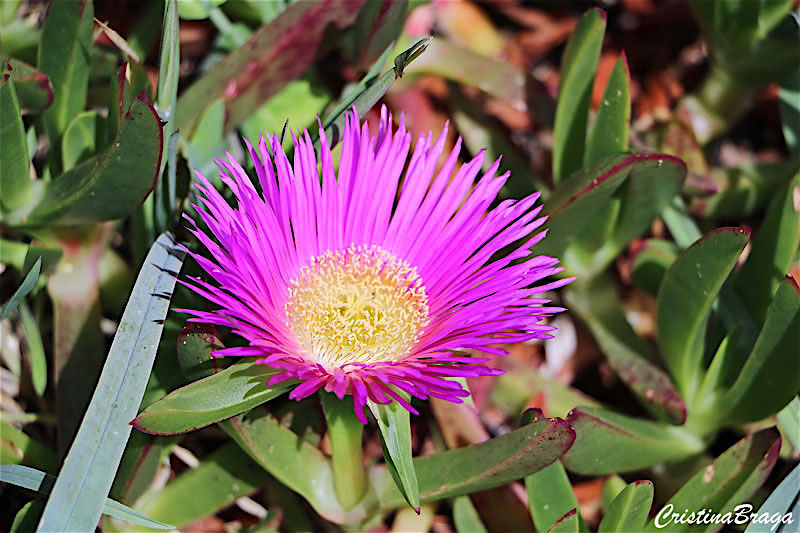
720, 102
345, 433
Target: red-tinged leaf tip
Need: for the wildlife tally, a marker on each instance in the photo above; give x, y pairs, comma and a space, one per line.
639, 482
624, 58
793, 281
417, 510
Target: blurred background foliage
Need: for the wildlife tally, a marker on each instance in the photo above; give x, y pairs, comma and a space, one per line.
663, 135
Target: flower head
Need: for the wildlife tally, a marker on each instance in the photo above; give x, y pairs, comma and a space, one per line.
364, 283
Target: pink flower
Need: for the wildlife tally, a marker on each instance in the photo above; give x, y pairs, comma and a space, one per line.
366, 284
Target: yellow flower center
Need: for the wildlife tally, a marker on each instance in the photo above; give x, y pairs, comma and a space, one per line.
357, 305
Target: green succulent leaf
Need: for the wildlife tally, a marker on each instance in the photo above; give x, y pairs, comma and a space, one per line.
15, 165
640, 184
569, 523
37, 361
629, 510
449, 474
651, 260
196, 343
65, 52
609, 134
770, 377
684, 302
108, 186
609, 442
597, 303
17, 447
773, 251
224, 475
235, 390
273, 56
465, 517
23, 290
394, 425
34, 90
550, 495
578, 67
37, 481
728, 481
82, 138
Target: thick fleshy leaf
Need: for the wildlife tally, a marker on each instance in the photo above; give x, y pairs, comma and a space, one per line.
15, 165
770, 377
89, 468
465, 517
196, 343
37, 361
394, 426
235, 390
17, 447
780, 502
789, 94
445, 475
630, 509
684, 302
23, 290
34, 90
773, 252
35, 480
221, 477
275, 54
609, 442
651, 260
144, 454
609, 134
65, 56
27, 517
730, 480
550, 495
578, 66
631, 358
745, 190
81, 139
642, 184
377, 25
110, 185
569, 523
789, 422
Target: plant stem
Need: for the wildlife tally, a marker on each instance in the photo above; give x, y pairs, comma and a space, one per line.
345, 433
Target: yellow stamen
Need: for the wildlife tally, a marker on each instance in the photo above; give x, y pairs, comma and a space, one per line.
357, 305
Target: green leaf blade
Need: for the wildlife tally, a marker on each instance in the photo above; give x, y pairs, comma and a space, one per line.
78, 495
630, 509
394, 425
109, 186
608, 442
235, 390
770, 377
32, 479
609, 135
15, 164
23, 290
685, 298
578, 68
65, 56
